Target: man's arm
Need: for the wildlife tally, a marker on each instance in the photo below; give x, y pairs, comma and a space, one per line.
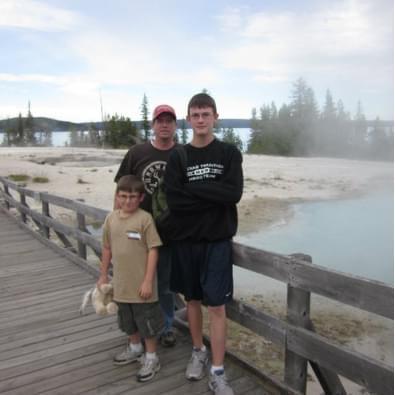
145, 290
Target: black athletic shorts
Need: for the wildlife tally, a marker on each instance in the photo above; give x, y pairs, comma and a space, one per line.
203, 271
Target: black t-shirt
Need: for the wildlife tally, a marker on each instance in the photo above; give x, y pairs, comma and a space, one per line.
202, 198
148, 163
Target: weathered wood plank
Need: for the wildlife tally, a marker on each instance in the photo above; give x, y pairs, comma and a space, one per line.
94, 212
25, 382
35, 256
111, 346
262, 323
373, 296
59, 227
39, 265
65, 339
43, 354
298, 313
70, 204
374, 375
50, 333
43, 299
117, 380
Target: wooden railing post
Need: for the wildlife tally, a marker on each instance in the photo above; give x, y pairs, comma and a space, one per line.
82, 227
6, 190
23, 202
45, 211
298, 314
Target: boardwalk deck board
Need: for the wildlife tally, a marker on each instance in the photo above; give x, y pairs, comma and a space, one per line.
47, 347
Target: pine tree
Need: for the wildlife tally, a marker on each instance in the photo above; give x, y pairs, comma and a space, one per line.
229, 136
94, 135
327, 141
360, 132
184, 132
120, 132
20, 131
381, 144
30, 137
329, 110
305, 114
145, 124
254, 142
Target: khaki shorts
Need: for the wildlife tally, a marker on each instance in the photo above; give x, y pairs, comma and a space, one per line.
145, 318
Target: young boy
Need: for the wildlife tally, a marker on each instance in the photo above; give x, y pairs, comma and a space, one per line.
202, 201
131, 242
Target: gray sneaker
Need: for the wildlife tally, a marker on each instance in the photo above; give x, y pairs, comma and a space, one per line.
168, 339
127, 356
149, 367
196, 367
218, 383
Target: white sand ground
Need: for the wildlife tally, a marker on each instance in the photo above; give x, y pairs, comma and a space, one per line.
83, 173
271, 183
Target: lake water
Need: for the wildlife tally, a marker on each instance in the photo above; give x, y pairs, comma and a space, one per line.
61, 138
354, 236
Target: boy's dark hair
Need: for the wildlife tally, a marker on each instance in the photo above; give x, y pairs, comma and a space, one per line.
202, 100
130, 183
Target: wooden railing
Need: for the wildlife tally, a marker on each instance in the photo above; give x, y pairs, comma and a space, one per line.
295, 334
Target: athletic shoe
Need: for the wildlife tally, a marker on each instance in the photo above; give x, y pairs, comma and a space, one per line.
149, 367
218, 383
196, 367
168, 339
127, 356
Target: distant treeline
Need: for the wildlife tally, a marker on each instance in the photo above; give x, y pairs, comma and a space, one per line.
42, 123
299, 128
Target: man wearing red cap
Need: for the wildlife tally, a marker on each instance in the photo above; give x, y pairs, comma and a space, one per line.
148, 162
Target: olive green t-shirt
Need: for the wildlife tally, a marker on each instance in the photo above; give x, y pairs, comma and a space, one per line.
130, 238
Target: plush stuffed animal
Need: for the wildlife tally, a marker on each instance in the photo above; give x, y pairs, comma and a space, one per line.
101, 299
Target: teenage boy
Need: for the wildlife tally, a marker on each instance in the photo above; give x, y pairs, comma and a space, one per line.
148, 161
131, 242
202, 201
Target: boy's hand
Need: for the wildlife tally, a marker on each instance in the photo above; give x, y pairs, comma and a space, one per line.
103, 279
145, 290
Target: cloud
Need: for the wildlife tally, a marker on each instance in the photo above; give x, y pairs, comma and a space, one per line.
231, 19
77, 84
8, 77
133, 61
35, 15
277, 45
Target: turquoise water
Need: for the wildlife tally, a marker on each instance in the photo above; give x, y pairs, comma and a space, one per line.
354, 236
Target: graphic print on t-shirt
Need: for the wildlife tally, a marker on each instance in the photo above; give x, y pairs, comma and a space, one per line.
204, 171
151, 175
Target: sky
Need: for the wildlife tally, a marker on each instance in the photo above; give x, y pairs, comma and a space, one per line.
74, 58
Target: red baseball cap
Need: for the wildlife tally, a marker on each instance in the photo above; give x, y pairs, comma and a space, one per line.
163, 108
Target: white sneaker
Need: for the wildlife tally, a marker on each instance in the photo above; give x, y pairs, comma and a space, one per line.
196, 367
127, 356
149, 367
218, 383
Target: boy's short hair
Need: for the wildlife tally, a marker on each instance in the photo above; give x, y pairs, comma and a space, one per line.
130, 183
201, 100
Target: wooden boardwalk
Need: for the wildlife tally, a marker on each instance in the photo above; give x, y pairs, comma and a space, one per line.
46, 347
